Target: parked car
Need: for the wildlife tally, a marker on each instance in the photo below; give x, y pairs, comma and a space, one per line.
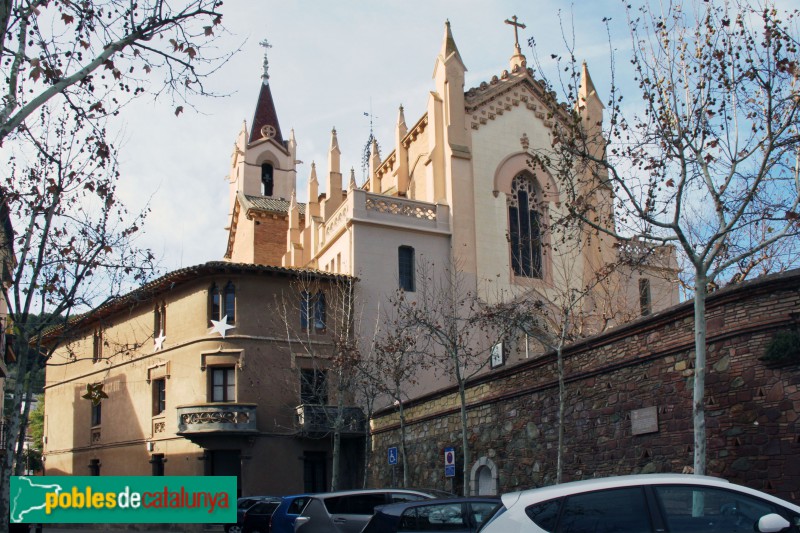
242, 505
339, 512
456, 515
283, 517
644, 503
258, 517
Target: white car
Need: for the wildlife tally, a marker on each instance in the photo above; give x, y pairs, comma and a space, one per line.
646, 503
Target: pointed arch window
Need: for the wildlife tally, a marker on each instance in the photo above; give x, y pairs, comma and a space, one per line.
222, 302
230, 302
645, 297
313, 311
267, 179
159, 319
524, 228
319, 311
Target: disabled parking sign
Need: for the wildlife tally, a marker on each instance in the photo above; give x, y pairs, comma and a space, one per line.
392, 455
449, 462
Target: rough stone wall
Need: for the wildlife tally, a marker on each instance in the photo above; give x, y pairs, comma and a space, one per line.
751, 408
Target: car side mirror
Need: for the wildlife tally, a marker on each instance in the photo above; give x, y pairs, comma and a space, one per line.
772, 523
300, 521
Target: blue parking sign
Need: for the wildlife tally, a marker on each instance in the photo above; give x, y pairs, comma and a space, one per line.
449, 462
392, 455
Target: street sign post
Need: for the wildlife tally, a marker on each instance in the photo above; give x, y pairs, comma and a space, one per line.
392, 455
449, 462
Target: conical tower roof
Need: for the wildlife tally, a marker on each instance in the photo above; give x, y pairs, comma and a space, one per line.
265, 118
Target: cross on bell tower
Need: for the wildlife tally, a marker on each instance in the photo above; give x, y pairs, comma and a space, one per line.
265, 75
517, 60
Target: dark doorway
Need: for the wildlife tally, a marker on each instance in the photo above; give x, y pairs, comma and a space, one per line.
157, 462
226, 463
314, 472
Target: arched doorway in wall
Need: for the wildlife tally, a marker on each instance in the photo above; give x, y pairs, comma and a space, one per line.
483, 478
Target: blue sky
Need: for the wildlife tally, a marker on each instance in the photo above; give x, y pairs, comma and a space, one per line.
330, 63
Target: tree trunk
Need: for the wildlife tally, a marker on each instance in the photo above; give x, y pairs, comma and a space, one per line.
403, 445
698, 402
12, 434
561, 394
464, 441
367, 448
337, 439
20, 467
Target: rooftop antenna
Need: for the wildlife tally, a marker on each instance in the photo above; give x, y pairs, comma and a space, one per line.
365, 155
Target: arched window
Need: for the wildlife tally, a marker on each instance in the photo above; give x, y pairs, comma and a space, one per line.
230, 302
405, 260
266, 179
319, 312
305, 310
214, 303
644, 296
159, 319
524, 228
222, 302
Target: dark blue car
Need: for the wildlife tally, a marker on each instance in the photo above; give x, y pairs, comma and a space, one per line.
289, 509
455, 515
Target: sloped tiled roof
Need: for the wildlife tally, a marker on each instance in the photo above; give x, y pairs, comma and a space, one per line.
273, 205
170, 280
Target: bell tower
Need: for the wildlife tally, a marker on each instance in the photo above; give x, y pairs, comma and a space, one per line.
266, 165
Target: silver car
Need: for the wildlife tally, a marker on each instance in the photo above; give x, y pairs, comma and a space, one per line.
349, 511
648, 503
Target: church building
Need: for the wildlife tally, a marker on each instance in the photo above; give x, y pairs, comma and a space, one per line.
227, 384
458, 191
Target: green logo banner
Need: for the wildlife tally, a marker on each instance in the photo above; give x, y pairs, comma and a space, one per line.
123, 499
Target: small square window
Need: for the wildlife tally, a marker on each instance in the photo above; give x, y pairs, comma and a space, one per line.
223, 384
159, 396
313, 387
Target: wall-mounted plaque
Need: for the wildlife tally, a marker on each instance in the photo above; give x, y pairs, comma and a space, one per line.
644, 421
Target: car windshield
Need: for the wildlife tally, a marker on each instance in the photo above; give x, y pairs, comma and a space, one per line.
263, 508
297, 505
244, 503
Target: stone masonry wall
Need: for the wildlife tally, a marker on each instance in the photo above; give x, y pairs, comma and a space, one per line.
751, 408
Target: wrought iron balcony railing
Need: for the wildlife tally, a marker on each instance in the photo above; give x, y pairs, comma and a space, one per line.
217, 418
321, 419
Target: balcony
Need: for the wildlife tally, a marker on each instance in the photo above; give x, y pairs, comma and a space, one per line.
217, 419
316, 420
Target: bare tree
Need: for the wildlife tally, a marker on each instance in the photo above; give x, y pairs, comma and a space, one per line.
97, 54
573, 309
710, 159
368, 392
460, 333
403, 351
74, 244
327, 338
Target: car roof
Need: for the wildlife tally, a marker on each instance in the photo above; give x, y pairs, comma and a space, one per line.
396, 509
367, 491
530, 496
